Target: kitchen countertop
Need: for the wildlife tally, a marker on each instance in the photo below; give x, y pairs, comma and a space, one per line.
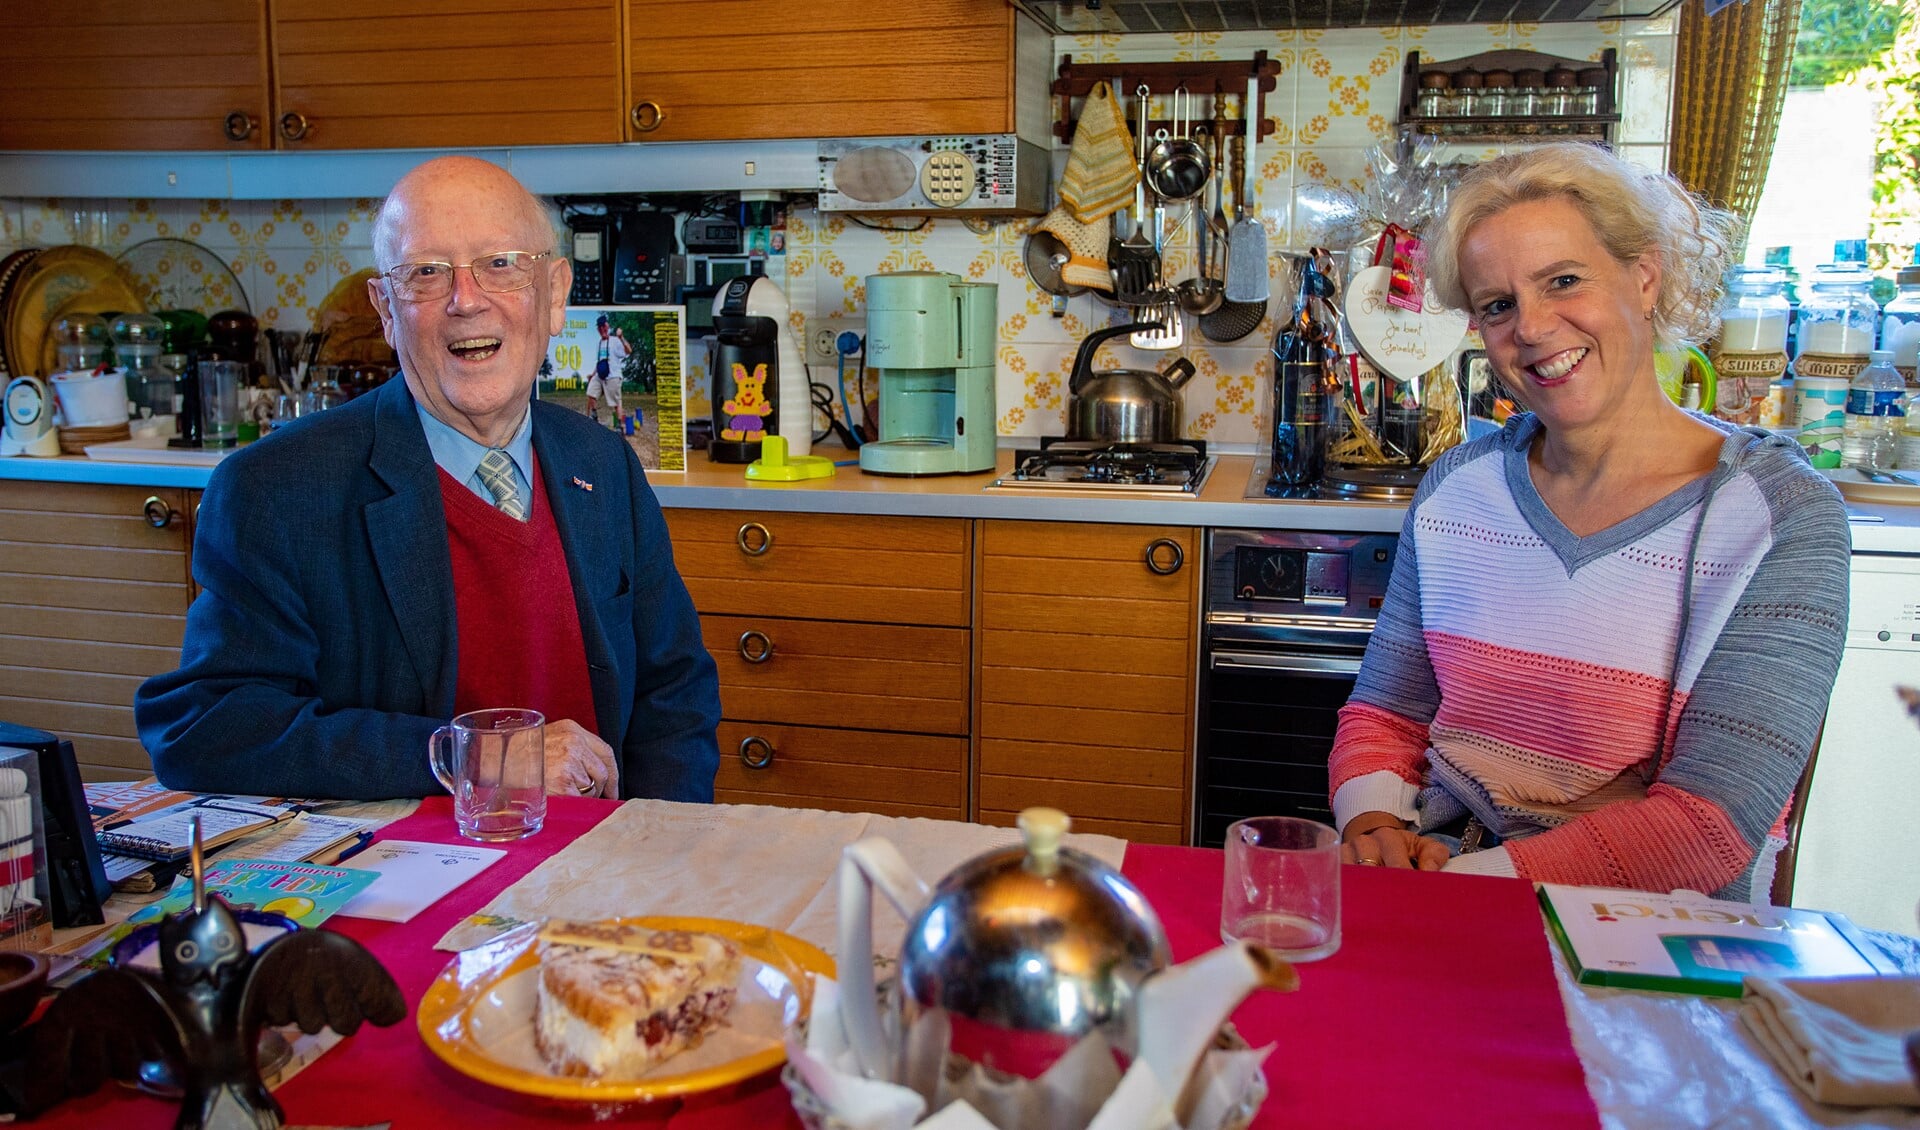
1877, 527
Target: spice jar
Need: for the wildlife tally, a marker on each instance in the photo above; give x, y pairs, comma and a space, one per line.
1497, 85
1434, 91
1524, 102
1750, 353
1900, 325
1560, 98
1467, 98
1591, 82
1837, 323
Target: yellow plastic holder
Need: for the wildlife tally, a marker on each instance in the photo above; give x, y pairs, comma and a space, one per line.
776, 466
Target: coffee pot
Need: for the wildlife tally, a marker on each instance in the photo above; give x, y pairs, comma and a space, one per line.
1019, 954
1124, 405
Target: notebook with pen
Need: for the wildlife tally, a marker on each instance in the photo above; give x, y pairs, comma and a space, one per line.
168, 836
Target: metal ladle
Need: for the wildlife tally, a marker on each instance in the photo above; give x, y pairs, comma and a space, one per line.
1203, 293
1177, 167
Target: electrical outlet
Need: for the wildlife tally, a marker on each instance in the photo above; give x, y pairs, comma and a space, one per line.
823, 335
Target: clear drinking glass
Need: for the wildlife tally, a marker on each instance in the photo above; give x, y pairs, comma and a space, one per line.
494, 763
1283, 886
220, 383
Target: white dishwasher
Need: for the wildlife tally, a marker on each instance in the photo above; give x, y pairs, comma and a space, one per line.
1857, 852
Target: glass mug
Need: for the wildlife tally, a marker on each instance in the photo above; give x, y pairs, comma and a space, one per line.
1282, 886
494, 763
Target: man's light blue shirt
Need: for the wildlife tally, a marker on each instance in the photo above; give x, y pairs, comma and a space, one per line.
459, 455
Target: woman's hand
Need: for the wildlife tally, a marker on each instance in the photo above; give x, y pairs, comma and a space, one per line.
1388, 843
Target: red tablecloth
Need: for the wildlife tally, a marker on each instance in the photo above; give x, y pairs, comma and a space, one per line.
1439, 1008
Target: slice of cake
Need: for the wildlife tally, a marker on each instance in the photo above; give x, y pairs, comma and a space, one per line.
615, 1000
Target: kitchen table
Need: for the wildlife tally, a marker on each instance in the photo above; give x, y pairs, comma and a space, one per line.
1446, 1005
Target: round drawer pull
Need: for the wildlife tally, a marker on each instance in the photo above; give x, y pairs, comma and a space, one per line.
159, 514
293, 125
749, 544
647, 116
756, 752
1165, 566
755, 647
239, 125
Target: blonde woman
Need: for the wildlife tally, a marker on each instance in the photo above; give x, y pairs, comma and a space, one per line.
1613, 627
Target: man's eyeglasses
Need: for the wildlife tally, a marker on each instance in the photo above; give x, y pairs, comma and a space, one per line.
499, 272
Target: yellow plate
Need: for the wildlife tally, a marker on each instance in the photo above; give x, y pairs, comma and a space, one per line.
60, 281
478, 1016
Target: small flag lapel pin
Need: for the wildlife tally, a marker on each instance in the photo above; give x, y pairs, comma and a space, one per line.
582, 483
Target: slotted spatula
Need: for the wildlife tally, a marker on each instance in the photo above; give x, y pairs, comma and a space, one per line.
1247, 241
1134, 261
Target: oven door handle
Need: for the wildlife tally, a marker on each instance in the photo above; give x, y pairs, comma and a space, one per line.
1298, 664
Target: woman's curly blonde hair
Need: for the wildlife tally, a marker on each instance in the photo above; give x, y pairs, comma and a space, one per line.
1634, 212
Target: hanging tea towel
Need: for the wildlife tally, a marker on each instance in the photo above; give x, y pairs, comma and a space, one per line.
1101, 170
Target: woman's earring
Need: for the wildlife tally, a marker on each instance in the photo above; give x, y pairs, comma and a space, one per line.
1649, 313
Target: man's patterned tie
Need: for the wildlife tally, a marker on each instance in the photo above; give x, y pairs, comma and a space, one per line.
496, 472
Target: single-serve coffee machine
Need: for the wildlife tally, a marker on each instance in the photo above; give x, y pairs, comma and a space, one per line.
759, 382
931, 338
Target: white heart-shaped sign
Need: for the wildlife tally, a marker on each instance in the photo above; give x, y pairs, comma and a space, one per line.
1400, 343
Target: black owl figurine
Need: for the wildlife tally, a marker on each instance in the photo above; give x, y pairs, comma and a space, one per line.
202, 1014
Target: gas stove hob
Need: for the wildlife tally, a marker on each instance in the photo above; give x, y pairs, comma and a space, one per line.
1177, 469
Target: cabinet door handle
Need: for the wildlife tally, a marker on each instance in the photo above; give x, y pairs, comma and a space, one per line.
756, 752
239, 125
755, 646
293, 125
748, 544
1165, 567
647, 116
159, 514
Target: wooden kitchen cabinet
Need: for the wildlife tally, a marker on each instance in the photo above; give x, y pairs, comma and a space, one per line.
382, 74
1086, 666
112, 74
309, 74
843, 644
704, 70
93, 599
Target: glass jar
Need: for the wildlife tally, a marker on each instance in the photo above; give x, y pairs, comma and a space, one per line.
1466, 88
1838, 322
1524, 101
1592, 82
138, 340
80, 344
1561, 100
1750, 353
1496, 86
1434, 92
1900, 325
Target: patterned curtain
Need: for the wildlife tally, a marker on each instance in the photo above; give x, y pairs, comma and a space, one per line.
1729, 82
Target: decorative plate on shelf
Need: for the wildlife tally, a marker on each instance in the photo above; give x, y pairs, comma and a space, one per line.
177, 274
478, 1016
10, 269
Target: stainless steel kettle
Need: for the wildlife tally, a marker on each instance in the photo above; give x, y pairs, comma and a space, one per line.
1124, 405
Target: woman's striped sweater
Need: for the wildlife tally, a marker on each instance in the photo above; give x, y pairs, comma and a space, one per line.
1530, 677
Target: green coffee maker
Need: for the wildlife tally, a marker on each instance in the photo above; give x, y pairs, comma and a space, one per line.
931, 339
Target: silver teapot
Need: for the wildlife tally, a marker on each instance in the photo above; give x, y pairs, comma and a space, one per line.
1019, 954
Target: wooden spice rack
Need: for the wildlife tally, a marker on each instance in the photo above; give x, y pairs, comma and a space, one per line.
1203, 79
1511, 127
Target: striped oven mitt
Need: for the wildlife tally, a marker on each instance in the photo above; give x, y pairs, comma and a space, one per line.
1101, 171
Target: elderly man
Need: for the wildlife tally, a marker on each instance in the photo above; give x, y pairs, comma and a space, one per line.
440, 545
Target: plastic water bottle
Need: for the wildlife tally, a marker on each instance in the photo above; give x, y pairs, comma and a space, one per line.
1876, 409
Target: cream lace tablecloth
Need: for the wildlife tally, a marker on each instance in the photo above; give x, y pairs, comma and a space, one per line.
751, 863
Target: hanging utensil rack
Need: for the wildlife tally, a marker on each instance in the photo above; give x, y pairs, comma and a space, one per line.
1199, 76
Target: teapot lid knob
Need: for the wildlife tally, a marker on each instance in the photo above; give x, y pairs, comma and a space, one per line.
1044, 828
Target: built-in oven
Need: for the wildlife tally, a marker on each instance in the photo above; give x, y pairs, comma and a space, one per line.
1287, 619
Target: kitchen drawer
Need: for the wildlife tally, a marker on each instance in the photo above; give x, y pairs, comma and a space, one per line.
825, 567
858, 676
842, 770
1099, 562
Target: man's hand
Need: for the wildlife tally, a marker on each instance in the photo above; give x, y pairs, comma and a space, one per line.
579, 763
1388, 843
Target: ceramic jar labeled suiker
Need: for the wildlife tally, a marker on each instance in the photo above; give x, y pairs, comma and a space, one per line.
1750, 353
